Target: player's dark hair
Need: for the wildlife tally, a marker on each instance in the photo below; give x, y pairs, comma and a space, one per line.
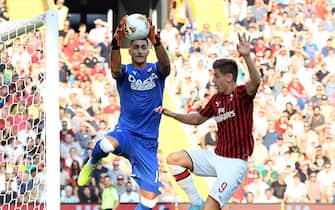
226, 66
145, 39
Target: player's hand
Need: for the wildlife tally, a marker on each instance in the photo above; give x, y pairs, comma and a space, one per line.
243, 46
152, 36
164, 111
120, 32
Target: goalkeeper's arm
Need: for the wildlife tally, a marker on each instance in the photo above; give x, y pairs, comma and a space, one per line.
115, 52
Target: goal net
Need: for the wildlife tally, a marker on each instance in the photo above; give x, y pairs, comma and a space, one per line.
29, 149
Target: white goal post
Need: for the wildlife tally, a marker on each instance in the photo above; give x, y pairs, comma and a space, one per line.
39, 99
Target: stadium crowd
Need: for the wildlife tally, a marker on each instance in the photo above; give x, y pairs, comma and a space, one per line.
294, 117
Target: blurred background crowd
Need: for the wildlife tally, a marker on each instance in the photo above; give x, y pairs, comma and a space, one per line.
293, 46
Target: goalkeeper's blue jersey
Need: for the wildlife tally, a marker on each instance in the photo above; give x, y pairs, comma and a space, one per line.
141, 91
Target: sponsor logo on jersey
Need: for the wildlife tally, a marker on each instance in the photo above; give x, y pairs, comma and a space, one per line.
138, 84
224, 115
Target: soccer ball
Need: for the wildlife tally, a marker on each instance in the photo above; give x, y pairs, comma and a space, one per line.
137, 26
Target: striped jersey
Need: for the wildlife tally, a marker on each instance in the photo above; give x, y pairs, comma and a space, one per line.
233, 114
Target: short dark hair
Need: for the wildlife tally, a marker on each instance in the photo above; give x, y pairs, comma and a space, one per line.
145, 39
226, 66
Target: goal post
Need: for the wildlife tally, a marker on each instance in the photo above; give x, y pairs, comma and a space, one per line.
52, 110
29, 113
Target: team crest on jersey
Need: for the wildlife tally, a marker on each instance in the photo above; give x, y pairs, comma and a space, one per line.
138, 84
218, 103
230, 97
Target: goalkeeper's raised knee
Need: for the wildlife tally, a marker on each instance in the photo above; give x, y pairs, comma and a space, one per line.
101, 149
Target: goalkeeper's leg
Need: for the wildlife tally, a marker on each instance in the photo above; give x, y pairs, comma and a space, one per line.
100, 150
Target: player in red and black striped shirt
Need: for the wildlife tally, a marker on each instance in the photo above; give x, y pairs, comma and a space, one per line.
232, 109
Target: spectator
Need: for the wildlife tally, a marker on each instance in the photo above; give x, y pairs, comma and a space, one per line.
295, 88
259, 10
64, 72
73, 156
99, 174
71, 43
326, 177
62, 13
185, 87
271, 135
311, 138
283, 98
303, 100
90, 60
269, 174
104, 49
97, 34
73, 171
314, 189
316, 99
310, 47
257, 187
67, 27
206, 33
102, 129
278, 148
209, 140
250, 18
284, 161
329, 82
320, 160
25, 187
129, 196
7, 195
269, 197
251, 175
66, 146
292, 9
178, 13
3, 11
189, 35
261, 153
296, 192
109, 195
64, 177
317, 119
282, 123
84, 134
279, 186
88, 195
249, 198
120, 185
168, 34
116, 171
67, 195
65, 130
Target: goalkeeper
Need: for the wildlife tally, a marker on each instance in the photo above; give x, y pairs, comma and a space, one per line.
140, 86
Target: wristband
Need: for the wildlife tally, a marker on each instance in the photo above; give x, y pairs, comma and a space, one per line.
158, 41
114, 44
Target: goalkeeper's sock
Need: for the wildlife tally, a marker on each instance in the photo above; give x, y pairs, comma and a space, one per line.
184, 179
100, 150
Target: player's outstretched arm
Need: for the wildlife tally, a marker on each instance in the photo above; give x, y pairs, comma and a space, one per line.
189, 118
243, 48
162, 57
115, 52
